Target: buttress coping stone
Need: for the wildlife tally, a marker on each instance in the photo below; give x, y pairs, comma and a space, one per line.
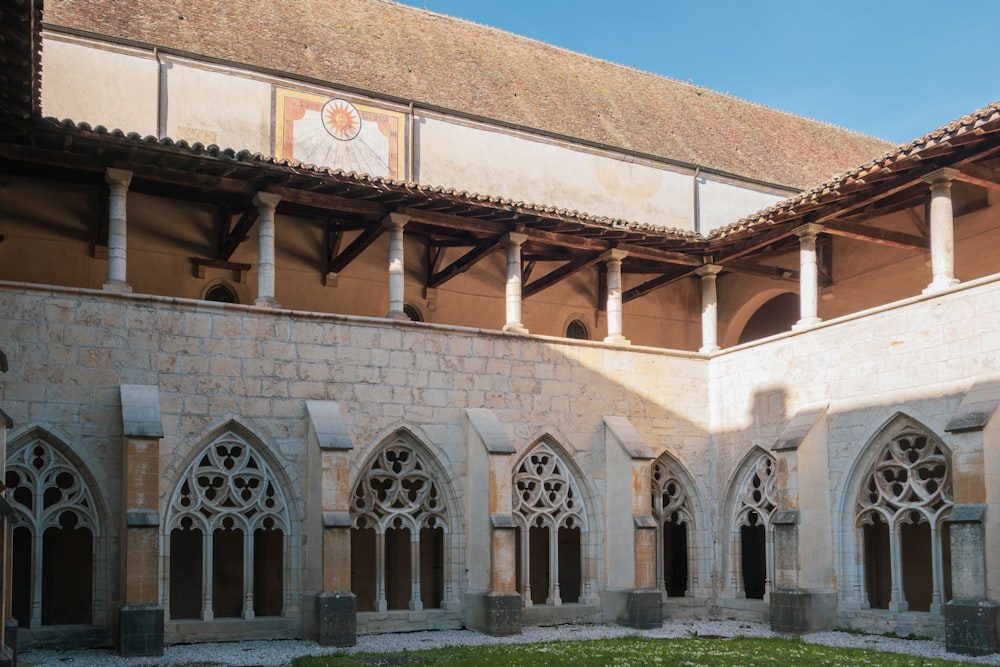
141, 411
490, 431
327, 423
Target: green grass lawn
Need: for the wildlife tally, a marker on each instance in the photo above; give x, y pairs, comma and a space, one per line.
634, 652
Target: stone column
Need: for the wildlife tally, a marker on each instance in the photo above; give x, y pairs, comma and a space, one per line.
395, 222
330, 616
266, 203
942, 224
512, 242
808, 276
614, 258
140, 619
118, 181
709, 308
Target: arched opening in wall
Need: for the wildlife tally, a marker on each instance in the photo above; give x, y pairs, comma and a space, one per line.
53, 578
362, 557
549, 512
227, 570
753, 554
757, 501
185, 570
673, 513
413, 313
395, 500
67, 572
269, 569
776, 316
229, 494
877, 569
21, 584
900, 519
577, 330
221, 293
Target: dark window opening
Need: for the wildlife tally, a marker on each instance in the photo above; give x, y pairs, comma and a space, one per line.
221, 293
577, 330
185, 572
753, 551
675, 559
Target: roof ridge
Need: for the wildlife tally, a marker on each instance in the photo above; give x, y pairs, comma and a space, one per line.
630, 68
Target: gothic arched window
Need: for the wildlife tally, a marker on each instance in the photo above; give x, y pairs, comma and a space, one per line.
752, 522
400, 520
674, 523
54, 527
901, 507
549, 510
227, 527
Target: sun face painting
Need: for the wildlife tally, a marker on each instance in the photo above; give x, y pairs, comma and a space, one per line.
337, 133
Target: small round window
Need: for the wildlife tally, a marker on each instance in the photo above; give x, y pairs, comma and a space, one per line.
221, 293
413, 313
578, 330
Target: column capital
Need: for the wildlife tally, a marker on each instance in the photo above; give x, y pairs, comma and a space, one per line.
808, 229
395, 220
267, 200
120, 177
613, 255
941, 176
709, 270
514, 238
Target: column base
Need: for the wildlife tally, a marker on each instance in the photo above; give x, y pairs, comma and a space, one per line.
709, 349
502, 614
515, 327
643, 609
797, 611
8, 652
119, 286
617, 340
807, 323
266, 302
398, 315
140, 630
970, 627
336, 619
939, 286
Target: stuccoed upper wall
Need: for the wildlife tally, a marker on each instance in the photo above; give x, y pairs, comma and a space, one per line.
185, 99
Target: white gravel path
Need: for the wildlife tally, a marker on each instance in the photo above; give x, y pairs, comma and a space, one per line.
280, 652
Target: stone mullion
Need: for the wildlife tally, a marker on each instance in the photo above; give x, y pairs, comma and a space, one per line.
525, 557
661, 565
554, 598
36, 578
208, 549
248, 565
769, 559
416, 602
897, 601
937, 592
380, 602
737, 551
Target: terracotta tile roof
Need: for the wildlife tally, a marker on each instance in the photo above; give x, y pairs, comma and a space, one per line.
890, 167
442, 62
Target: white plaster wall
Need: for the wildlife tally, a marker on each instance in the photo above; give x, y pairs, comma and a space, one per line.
720, 204
216, 107
74, 72
480, 160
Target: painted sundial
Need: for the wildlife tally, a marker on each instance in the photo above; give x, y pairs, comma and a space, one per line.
337, 133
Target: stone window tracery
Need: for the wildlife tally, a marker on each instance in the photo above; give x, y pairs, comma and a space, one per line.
901, 506
672, 510
548, 508
757, 500
227, 524
401, 522
54, 526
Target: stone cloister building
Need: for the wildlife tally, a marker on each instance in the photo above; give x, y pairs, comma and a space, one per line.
288, 389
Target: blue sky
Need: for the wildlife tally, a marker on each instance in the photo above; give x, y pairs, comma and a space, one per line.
893, 69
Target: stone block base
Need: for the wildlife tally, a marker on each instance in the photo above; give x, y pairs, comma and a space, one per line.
643, 609
336, 619
798, 611
970, 627
502, 614
8, 652
140, 630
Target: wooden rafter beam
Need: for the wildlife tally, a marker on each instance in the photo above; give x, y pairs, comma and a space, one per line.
364, 239
875, 235
753, 269
329, 202
977, 174
238, 234
918, 221
465, 262
654, 284
334, 237
560, 274
752, 244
